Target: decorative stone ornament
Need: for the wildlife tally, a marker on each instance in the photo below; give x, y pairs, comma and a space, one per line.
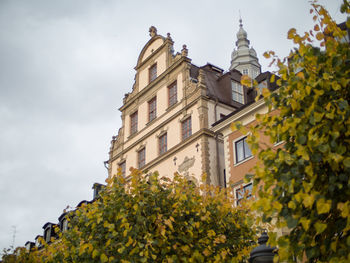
184, 51
152, 31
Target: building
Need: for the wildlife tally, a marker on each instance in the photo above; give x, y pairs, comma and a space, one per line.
168, 115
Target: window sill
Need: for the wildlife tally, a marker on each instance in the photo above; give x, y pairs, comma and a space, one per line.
243, 161
132, 135
172, 106
150, 122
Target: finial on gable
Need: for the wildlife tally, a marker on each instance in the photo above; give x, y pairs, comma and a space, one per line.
152, 31
184, 51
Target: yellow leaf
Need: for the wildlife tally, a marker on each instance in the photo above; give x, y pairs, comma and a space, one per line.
266, 55
246, 81
309, 200
95, 253
323, 206
291, 33
319, 36
320, 227
301, 75
272, 79
305, 223
104, 258
129, 242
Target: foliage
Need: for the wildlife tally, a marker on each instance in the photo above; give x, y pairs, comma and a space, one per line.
153, 219
305, 183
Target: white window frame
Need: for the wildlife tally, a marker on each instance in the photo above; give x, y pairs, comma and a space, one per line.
238, 91
239, 187
235, 154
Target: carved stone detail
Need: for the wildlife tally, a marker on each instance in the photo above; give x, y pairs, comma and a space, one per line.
184, 51
186, 165
152, 31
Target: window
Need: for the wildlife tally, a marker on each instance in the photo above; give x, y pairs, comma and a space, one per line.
242, 150
172, 91
122, 168
186, 128
141, 158
245, 71
152, 72
244, 192
163, 143
64, 225
47, 234
133, 123
237, 92
152, 109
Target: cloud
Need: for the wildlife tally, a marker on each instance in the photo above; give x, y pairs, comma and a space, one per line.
65, 67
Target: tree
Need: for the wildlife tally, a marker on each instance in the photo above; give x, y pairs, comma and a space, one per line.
305, 183
153, 219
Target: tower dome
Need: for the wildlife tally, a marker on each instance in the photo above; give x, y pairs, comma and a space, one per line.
244, 58
241, 34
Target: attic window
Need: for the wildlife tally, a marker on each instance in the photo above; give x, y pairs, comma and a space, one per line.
237, 92
245, 71
153, 72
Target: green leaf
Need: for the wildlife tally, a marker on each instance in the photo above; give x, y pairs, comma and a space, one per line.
346, 162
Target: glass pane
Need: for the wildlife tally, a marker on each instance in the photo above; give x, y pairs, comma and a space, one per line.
247, 151
239, 151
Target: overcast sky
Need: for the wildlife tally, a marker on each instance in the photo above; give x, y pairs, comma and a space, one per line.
64, 69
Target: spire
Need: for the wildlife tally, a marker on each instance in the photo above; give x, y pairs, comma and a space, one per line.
243, 57
242, 40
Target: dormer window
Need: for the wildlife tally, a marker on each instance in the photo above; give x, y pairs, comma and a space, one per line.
29, 245
245, 71
237, 92
48, 232
64, 225
97, 189
153, 72
63, 222
38, 241
47, 235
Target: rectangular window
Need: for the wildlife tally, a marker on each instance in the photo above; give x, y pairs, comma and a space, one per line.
163, 143
152, 109
186, 128
245, 71
153, 72
64, 225
141, 158
172, 89
122, 167
242, 150
47, 235
237, 92
133, 123
244, 192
